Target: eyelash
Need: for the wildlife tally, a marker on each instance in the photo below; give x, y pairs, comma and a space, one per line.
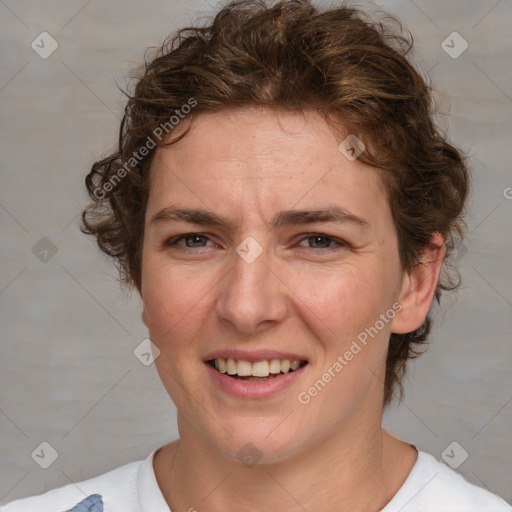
172, 242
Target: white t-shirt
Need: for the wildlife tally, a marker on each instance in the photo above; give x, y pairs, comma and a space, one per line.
430, 487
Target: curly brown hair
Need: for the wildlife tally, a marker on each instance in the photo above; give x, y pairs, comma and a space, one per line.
293, 56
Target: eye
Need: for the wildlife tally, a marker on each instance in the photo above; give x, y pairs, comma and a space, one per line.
192, 240
321, 242
324, 240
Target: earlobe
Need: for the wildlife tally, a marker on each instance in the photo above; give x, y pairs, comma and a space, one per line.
144, 317
144, 314
419, 287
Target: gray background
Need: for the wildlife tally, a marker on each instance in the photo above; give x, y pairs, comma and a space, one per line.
68, 375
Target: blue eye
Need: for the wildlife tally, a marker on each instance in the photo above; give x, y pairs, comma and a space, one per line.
198, 241
327, 240
186, 238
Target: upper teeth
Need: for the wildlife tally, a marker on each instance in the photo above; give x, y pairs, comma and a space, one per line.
244, 368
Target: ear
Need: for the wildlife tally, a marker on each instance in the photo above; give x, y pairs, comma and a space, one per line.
144, 316
419, 286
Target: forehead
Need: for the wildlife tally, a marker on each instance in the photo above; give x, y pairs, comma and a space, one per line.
257, 138
257, 160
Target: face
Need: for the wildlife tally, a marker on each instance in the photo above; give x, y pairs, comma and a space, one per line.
251, 279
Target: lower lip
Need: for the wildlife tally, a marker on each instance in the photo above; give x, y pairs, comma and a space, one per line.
254, 390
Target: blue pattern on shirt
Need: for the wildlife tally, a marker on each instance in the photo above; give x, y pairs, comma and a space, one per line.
92, 503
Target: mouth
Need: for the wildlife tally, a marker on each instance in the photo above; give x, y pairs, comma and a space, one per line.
257, 371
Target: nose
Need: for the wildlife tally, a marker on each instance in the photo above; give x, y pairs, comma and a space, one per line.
252, 296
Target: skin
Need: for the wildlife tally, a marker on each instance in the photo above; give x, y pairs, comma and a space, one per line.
247, 165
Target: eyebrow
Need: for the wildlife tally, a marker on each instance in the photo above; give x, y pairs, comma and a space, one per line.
283, 218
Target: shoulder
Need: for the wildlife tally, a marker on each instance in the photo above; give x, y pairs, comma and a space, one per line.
117, 489
432, 486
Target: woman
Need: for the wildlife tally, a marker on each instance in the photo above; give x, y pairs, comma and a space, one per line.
284, 205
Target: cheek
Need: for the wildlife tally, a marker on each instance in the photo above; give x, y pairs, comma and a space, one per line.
342, 301
174, 301
172, 294
344, 309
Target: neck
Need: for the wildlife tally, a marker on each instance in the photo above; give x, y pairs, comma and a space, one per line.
356, 468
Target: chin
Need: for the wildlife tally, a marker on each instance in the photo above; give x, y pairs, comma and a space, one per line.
254, 441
